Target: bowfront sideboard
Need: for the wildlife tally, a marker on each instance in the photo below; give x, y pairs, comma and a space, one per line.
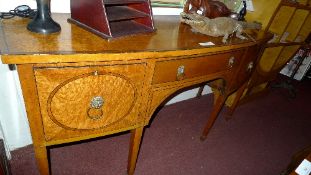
78, 86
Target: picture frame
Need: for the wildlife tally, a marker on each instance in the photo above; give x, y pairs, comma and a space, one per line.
234, 5
167, 3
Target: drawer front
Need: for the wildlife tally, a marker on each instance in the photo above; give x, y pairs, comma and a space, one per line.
85, 100
185, 68
247, 67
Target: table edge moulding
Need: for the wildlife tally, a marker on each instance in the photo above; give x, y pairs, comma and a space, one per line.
77, 85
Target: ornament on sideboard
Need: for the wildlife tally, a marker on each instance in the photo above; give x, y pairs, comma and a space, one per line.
209, 8
242, 12
43, 22
221, 26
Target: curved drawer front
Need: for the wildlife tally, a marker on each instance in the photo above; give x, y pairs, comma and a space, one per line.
185, 68
247, 67
81, 101
70, 104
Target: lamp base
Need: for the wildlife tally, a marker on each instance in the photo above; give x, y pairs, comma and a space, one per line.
43, 26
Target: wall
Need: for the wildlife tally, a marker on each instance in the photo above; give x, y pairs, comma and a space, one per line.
12, 112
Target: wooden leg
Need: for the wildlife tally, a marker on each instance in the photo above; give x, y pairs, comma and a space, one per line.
236, 100
199, 94
28, 83
42, 160
219, 102
136, 135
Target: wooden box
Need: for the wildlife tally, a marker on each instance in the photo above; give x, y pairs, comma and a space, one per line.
112, 18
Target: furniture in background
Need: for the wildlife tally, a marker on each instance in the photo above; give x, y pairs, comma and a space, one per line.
299, 65
78, 86
291, 69
290, 23
112, 18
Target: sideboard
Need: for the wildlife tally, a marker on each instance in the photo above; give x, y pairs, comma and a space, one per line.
78, 86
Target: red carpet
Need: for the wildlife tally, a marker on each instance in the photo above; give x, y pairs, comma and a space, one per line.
259, 140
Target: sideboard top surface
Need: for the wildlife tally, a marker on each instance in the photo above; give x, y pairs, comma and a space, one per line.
172, 38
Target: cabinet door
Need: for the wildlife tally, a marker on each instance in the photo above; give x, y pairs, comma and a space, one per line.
78, 101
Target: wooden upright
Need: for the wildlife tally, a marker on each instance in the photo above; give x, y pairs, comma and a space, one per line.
77, 85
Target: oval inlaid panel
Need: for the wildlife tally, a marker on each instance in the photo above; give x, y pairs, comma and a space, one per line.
69, 105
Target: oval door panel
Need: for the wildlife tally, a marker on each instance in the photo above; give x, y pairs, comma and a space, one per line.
91, 101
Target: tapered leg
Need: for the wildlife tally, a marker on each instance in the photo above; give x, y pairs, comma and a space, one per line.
236, 100
42, 160
136, 135
28, 83
219, 102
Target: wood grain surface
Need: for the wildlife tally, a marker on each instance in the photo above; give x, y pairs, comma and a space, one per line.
65, 94
62, 73
171, 38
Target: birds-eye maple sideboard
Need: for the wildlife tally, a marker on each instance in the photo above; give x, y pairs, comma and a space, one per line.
77, 85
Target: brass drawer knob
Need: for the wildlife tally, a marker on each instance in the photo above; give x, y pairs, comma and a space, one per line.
97, 102
250, 66
231, 62
180, 72
95, 112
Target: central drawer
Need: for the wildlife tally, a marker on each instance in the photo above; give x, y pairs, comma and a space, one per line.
78, 101
191, 67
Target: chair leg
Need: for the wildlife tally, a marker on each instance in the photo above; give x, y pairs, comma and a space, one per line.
236, 100
199, 94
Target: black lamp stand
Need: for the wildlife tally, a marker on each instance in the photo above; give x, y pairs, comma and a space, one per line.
42, 22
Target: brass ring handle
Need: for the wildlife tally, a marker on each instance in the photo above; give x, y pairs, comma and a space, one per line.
94, 111
95, 116
180, 72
